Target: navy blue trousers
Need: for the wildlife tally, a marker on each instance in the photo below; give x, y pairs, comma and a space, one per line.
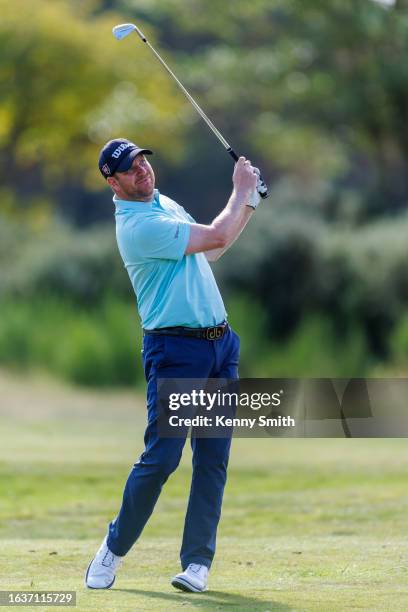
178, 357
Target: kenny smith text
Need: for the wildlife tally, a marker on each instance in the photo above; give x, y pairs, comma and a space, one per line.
223, 421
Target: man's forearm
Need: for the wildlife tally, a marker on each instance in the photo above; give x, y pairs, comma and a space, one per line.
229, 220
245, 214
229, 223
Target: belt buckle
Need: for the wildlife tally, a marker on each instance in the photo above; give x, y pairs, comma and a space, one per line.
214, 333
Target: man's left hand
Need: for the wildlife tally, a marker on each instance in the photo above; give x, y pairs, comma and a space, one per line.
255, 198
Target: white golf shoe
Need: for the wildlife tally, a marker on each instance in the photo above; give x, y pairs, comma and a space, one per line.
194, 579
102, 569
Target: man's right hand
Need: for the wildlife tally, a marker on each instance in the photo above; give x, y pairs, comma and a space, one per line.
244, 177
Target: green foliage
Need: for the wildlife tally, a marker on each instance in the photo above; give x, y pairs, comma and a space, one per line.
316, 350
327, 299
316, 88
313, 349
68, 91
79, 266
98, 346
101, 347
248, 319
399, 344
355, 279
315, 93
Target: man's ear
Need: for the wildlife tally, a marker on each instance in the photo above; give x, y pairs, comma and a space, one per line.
113, 183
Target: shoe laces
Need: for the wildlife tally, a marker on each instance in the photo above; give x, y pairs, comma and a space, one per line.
197, 568
110, 559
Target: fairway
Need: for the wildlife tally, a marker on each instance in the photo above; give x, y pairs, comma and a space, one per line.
306, 525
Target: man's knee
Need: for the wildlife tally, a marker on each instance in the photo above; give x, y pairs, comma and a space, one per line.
162, 464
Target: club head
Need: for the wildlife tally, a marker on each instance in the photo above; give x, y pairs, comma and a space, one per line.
122, 30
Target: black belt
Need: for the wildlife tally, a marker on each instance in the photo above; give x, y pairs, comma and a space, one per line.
204, 333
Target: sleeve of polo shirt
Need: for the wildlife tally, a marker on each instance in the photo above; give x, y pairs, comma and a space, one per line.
161, 237
186, 214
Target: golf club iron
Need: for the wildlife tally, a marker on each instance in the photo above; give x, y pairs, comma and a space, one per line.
123, 30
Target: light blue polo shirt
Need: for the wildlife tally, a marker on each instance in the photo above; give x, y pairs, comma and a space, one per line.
172, 289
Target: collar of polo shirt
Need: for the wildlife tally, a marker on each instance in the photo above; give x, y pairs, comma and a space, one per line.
139, 205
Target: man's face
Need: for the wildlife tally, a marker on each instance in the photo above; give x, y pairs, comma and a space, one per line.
137, 183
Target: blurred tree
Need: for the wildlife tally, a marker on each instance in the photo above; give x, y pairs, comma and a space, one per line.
67, 87
315, 93
316, 89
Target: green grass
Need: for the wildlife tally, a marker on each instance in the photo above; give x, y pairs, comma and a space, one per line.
307, 524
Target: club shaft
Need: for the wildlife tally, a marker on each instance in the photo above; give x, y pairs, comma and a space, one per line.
190, 98
263, 190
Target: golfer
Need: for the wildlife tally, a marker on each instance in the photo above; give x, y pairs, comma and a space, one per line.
186, 335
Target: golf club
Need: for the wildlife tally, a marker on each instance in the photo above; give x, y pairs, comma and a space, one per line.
123, 30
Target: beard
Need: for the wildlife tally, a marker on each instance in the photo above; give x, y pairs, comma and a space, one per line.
141, 190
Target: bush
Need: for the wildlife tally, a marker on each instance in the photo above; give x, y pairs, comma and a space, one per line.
290, 283
97, 346
399, 344
248, 320
315, 350
100, 346
81, 266
301, 269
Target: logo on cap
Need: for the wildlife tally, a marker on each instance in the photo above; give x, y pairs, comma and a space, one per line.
122, 147
105, 169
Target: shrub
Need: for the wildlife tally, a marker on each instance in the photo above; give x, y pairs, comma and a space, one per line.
97, 346
399, 343
315, 350
81, 266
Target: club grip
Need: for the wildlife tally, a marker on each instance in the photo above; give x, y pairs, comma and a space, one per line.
263, 189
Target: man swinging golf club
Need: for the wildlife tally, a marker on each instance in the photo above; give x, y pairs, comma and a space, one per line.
166, 254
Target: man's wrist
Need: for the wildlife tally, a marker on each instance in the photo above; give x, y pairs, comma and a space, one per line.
242, 194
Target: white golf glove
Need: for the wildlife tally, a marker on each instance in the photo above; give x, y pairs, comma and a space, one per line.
255, 198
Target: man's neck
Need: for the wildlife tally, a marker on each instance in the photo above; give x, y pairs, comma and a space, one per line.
146, 199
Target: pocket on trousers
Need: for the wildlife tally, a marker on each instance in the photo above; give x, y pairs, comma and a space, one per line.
236, 337
152, 353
